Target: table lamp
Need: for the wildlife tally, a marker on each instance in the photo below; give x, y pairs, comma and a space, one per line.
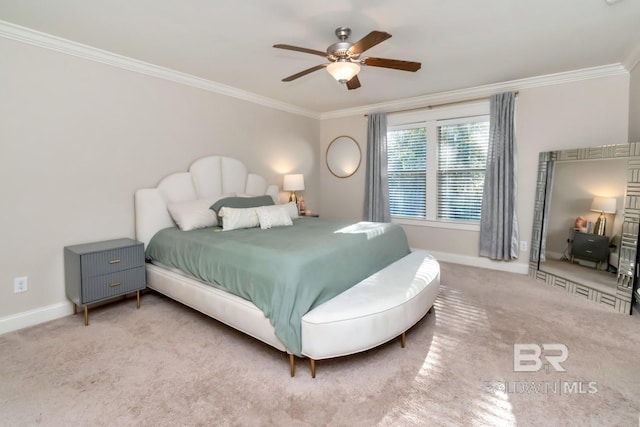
604, 205
293, 183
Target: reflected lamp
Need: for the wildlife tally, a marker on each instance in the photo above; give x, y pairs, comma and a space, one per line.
604, 205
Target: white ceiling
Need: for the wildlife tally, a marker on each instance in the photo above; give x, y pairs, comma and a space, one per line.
460, 43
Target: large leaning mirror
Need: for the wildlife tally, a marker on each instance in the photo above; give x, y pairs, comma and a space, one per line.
343, 156
585, 227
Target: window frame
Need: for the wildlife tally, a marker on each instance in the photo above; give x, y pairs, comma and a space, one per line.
430, 119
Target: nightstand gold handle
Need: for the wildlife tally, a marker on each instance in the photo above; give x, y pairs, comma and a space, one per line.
114, 261
113, 285
588, 251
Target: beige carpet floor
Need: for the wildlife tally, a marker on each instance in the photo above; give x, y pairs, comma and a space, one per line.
168, 365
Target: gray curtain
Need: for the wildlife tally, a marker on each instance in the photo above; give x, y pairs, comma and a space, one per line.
498, 223
376, 196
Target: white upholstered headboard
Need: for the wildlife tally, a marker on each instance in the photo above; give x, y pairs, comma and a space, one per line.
208, 177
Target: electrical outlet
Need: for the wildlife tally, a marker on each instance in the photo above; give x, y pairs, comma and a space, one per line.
523, 245
20, 284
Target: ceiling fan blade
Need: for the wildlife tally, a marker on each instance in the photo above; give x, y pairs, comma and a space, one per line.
304, 73
391, 63
369, 41
300, 49
354, 83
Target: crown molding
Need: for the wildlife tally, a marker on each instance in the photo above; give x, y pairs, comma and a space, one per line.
48, 41
482, 91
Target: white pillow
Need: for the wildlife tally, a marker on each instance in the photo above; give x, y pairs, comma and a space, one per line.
193, 214
273, 216
235, 218
292, 209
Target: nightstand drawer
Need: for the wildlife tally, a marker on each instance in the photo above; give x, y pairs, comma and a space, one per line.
111, 261
590, 247
111, 285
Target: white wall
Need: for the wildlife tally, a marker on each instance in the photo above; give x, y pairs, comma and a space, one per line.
77, 138
577, 114
343, 198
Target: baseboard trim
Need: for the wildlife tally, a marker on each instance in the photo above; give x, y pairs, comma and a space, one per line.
554, 255
510, 267
35, 317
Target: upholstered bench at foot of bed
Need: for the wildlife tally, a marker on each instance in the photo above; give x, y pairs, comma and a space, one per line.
374, 311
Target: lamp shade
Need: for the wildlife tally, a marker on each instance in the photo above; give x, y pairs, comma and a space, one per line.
293, 182
604, 204
343, 71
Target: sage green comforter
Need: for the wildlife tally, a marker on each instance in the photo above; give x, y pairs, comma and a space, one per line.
285, 271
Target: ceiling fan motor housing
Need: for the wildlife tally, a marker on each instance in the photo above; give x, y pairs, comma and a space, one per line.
340, 50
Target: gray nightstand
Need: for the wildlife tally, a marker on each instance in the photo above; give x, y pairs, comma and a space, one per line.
590, 247
100, 271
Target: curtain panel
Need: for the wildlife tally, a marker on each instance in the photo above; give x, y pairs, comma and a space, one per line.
498, 224
376, 197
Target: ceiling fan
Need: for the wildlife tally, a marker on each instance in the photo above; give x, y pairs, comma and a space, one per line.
345, 58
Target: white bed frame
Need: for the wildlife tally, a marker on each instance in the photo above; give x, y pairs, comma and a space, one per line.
374, 311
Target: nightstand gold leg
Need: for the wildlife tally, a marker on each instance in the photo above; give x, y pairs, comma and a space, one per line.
86, 315
75, 309
138, 296
403, 339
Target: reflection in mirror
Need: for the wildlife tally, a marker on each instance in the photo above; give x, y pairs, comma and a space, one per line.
573, 248
343, 156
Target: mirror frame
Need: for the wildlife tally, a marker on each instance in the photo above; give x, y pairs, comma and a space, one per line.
630, 227
339, 139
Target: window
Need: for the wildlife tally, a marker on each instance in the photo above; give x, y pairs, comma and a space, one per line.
462, 159
436, 166
407, 171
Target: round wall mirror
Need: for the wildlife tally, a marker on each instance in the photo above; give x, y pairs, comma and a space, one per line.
343, 156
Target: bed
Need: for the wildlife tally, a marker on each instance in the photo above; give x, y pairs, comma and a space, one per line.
280, 283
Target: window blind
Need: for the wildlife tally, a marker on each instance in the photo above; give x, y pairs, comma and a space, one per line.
462, 158
407, 168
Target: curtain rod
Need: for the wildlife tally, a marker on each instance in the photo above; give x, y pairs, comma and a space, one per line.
428, 107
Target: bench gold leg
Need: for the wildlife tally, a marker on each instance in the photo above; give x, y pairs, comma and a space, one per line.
313, 367
403, 339
86, 315
292, 364
138, 296
75, 309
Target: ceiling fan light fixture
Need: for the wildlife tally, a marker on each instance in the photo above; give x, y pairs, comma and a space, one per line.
343, 71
